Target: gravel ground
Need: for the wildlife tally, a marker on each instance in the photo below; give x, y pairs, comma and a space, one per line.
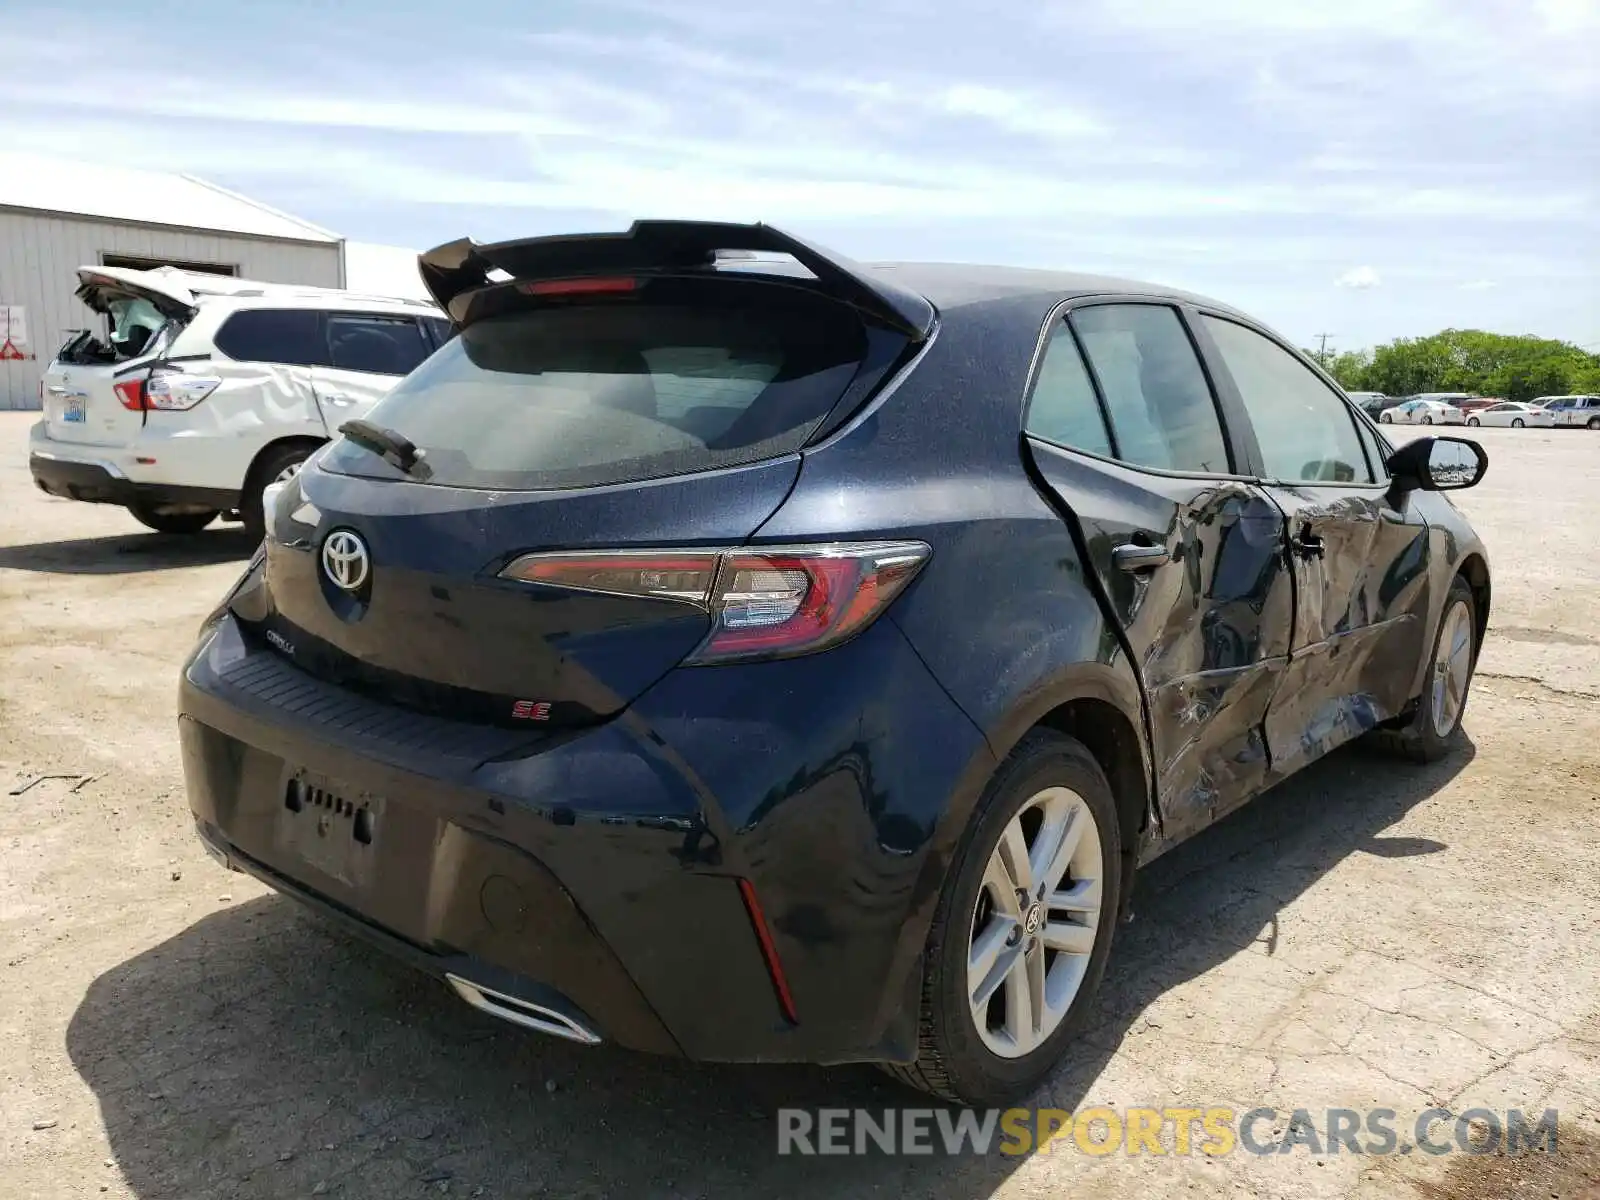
1367, 934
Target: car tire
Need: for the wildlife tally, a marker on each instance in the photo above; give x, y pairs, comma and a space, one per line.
955, 1059
1427, 420
1517, 423
1473, 421
272, 465
175, 523
1385, 419
1594, 423
1420, 738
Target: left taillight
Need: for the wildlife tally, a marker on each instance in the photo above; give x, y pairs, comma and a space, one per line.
764, 602
131, 393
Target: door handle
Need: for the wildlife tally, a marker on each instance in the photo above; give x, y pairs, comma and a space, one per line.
338, 398
1308, 544
1135, 557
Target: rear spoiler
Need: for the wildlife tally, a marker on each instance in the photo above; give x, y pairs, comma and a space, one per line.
455, 271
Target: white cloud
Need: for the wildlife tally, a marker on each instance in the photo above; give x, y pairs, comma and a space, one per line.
1251, 147
1019, 111
1478, 285
1358, 278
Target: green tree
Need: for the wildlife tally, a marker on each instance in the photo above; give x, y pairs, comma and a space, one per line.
1472, 360
1350, 368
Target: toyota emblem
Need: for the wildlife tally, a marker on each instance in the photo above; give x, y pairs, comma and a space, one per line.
345, 560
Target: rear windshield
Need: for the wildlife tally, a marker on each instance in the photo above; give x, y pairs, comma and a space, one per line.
688, 377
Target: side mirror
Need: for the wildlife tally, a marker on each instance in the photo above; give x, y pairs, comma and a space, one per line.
1441, 464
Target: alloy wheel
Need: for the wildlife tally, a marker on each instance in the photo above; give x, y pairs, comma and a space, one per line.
287, 473
1034, 923
1452, 667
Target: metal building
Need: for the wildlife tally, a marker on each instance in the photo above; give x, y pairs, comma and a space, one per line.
57, 216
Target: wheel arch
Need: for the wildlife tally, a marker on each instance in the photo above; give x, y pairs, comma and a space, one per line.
1101, 705
1475, 570
1097, 703
310, 441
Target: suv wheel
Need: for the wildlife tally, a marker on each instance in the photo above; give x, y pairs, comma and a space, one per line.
1434, 726
278, 463
1020, 938
167, 522
1594, 422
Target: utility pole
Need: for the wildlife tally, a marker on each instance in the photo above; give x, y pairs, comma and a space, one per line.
1322, 349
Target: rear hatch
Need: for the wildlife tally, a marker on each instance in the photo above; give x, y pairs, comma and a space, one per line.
660, 415
91, 392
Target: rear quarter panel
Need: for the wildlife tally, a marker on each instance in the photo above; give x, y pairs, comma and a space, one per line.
1001, 615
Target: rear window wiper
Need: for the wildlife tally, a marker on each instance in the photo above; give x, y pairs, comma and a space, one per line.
392, 447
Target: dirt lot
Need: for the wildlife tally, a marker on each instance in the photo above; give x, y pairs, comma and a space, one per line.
1369, 934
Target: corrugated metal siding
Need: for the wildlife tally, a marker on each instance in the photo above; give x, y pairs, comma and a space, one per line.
40, 253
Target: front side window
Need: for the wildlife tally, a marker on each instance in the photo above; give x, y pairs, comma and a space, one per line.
441, 329
1377, 450
1304, 428
375, 345
1160, 405
1063, 408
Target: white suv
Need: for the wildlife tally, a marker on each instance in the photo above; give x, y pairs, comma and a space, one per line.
211, 388
1573, 412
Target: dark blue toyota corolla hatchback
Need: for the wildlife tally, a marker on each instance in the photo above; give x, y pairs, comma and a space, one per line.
723, 649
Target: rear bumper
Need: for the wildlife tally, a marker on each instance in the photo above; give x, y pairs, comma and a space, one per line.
101, 481
598, 875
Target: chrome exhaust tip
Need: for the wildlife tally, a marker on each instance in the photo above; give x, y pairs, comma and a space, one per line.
522, 1012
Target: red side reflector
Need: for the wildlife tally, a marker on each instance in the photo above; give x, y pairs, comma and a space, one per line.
593, 286
769, 951
131, 393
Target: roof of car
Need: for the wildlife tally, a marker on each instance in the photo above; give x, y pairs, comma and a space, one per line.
954, 285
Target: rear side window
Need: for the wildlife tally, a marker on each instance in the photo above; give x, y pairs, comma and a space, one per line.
690, 377
1162, 413
1063, 408
289, 336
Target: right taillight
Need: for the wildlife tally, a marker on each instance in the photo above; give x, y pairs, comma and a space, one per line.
175, 391
767, 602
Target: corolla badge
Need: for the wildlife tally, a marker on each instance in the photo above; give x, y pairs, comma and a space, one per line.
345, 560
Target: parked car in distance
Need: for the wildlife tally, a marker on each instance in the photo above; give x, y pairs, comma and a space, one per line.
795, 661
1422, 412
1573, 412
1512, 414
1476, 403
209, 388
1372, 403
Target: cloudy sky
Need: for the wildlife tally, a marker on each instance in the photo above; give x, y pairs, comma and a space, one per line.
1365, 168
